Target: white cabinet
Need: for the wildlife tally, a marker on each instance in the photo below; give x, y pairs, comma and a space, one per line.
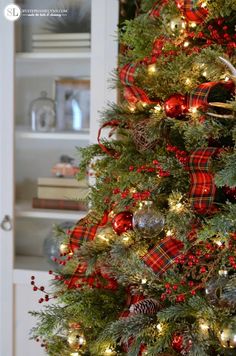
25, 155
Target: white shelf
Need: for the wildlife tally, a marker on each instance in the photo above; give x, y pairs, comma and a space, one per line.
26, 266
25, 57
27, 134
23, 210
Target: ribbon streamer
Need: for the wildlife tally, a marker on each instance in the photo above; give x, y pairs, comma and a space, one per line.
199, 97
202, 188
161, 257
110, 152
194, 11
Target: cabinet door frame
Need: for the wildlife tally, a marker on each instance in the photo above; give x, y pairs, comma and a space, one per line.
6, 180
104, 55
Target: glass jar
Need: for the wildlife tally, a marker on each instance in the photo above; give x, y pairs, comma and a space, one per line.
42, 113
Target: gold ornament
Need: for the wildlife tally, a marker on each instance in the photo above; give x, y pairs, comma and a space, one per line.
76, 339
228, 335
177, 24
105, 234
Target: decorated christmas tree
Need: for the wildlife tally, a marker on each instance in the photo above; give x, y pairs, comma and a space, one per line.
151, 270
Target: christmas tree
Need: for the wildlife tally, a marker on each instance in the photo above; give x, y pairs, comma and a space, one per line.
151, 269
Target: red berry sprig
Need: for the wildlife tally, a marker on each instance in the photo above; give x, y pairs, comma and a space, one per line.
37, 288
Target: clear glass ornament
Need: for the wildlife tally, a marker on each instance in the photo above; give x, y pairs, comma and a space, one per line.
42, 113
147, 221
52, 244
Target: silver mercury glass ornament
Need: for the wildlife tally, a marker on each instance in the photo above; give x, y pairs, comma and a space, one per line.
148, 221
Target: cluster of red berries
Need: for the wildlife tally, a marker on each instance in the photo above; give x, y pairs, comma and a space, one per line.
181, 156
41, 289
43, 342
154, 167
232, 261
144, 195
173, 288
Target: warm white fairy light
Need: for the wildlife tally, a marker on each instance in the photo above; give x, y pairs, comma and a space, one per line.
74, 354
204, 4
157, 108
186, 43
178, 206
169, 233
143, 281
204, 326
227, 78
132, 108
109, 351
193, 24
159, 327
187, 81
151, 69
125, 239
204, 73
223, 272
193, 110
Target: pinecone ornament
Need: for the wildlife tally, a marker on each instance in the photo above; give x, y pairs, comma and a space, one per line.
146, 306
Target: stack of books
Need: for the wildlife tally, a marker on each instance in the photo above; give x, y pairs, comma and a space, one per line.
61, 42
61, 193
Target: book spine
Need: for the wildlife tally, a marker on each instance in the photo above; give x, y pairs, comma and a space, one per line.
61, 49
58, 204
62, 193
62, 182
58, 44
61, 36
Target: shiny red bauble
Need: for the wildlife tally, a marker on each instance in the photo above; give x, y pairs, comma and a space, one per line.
180, 344
175, 105
122, 222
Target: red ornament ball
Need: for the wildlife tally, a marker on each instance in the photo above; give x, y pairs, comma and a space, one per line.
181, 344
122, 222
175, 105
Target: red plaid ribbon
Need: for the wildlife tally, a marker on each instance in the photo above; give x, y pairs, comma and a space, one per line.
110, 152
161, 257
199, 96
82, 234
127, 73
98, 279
156, 9
202, 189
134, 94
193, 11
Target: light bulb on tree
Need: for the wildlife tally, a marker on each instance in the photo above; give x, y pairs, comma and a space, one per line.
151, 69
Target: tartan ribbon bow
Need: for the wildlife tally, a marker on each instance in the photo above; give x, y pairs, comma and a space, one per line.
194, 11
156, 9
199, 97
202, 186
161, 257
83, 232
132, 93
